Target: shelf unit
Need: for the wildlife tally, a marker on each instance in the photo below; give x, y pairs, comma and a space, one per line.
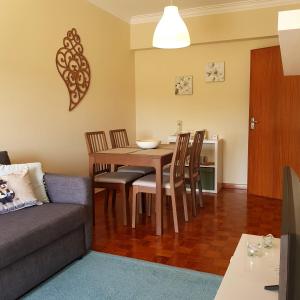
213, 150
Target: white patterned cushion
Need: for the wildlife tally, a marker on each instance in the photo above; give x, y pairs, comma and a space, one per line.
36, 177
16, 192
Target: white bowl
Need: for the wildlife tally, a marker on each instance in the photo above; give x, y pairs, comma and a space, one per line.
147, 144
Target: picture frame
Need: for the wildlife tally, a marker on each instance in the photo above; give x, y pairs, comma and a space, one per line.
215, 72
184, 85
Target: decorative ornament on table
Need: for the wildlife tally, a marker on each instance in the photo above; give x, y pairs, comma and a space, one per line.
73, 68
179, 127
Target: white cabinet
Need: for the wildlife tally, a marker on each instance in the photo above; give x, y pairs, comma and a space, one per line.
246, 276
213, 150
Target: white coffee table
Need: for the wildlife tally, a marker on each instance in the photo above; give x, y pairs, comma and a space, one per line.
246, 276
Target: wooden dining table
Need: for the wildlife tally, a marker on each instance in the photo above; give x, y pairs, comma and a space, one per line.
134, 156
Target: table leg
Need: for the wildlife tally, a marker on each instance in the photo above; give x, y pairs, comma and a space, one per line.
91, 173
91, 166
159, 207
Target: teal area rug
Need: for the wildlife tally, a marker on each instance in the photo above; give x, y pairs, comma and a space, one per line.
105, 276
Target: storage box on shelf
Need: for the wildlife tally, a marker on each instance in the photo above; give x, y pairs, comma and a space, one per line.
212, 171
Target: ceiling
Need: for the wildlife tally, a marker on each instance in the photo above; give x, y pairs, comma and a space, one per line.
127, 9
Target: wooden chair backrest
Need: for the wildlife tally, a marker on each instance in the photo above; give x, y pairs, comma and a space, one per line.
118, 138
194, 164
178, 160
96, 141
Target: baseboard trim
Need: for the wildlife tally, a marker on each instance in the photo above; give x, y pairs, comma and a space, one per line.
234, 186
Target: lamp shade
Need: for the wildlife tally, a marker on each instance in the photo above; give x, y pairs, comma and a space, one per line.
171, 31
289, 41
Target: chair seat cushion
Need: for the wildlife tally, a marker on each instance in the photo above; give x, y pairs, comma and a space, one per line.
166, 172
150, 181
117, 177
137, 169
25, 231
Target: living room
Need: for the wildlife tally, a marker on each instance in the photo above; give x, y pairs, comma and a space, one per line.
130, 84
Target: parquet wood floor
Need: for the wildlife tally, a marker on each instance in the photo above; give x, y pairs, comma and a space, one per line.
206, 243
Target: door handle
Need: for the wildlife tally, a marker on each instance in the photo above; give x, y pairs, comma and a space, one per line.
253, 123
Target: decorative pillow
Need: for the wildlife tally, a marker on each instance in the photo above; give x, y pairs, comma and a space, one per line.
36, 177
16, 192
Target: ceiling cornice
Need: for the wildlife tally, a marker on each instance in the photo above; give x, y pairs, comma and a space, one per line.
216, 9
113, 12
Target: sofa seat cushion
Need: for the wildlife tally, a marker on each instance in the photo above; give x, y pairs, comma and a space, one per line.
25, 231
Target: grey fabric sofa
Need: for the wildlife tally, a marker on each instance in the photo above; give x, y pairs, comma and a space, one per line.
37, 242
4, 158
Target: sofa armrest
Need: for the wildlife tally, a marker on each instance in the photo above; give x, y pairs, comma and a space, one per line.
73, 190
4, 158
69, 189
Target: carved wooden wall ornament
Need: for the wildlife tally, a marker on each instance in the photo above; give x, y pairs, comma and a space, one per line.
73, 68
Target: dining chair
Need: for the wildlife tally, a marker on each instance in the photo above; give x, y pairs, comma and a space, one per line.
119, 139
172, 184
104, 178
192, 172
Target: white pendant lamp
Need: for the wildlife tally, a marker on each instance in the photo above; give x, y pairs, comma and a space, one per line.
289, 41
171, 31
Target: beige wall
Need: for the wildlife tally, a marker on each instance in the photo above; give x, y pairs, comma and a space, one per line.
221, 108
36, 124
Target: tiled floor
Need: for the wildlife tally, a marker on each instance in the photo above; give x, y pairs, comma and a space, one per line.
205, 243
